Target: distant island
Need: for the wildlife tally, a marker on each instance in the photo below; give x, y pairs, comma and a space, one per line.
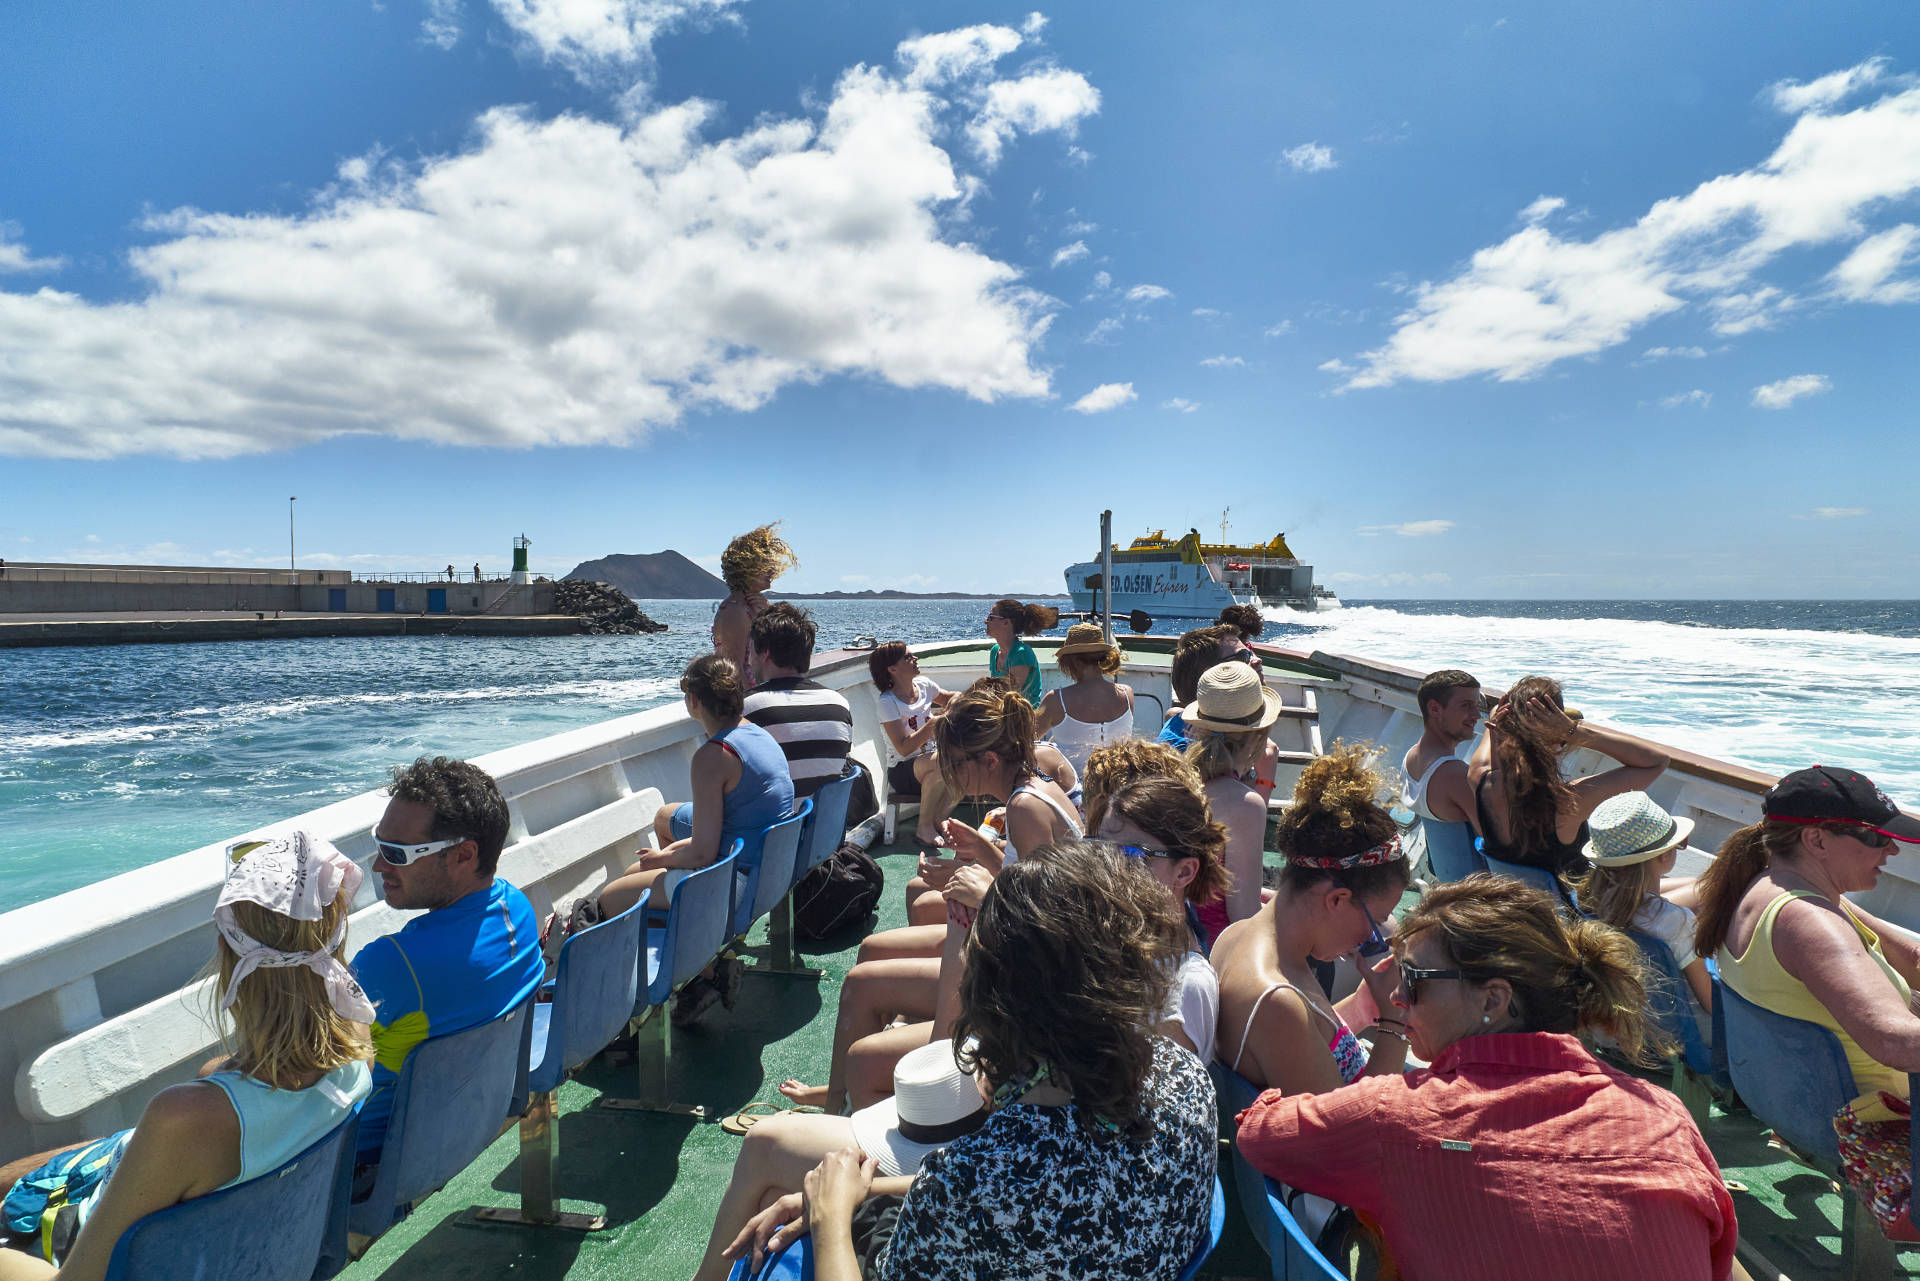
653, 576
670, 576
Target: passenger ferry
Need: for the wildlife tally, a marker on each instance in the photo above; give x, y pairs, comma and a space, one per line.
102, 1003
1186, 579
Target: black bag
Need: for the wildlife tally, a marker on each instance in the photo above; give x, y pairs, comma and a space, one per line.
839, 892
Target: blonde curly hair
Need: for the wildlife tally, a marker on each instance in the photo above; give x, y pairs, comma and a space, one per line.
757, 552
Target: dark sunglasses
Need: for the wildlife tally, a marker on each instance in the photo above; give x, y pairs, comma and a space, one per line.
1412, 977
1871, 837
1138, 851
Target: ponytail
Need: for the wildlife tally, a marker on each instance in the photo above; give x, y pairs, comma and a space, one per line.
1027, 619
987, 717
1608, 984
1740, 861
1215, 753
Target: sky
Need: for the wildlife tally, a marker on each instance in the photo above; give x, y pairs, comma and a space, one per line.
1470, 301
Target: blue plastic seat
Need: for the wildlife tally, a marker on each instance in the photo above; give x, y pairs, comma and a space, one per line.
592, 996
697, 929
1450, 852
828, 823
289, 1224
1538, 877
759, 885
794, 1262
1291, 1253
1794, 1075
453, 1096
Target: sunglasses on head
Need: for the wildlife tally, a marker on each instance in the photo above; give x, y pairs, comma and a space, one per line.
1411, 977
401, 855
1140, 851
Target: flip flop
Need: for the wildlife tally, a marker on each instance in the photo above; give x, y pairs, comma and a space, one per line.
754, 1113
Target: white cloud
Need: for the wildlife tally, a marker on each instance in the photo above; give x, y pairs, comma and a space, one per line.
1793, 97
948, 56
1694, 397
1034, 25
441, 26
1866, 274
1310, 157
596, 40
1223, 362
1334, 366
563, 281
1106, 329
1687, 353
1104, 397
1148, 293
1070, 253
1779, 395
1180, 403
1534, 299
1051, 100
1102, 281
1837, 513
1279, 330
1348, 578
1206, 313
1411, 529
1540, 210
1082, 228
15, 258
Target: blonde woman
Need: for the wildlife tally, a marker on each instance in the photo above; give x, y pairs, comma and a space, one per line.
1227, 725
1094, 710
749, 566
296, 1064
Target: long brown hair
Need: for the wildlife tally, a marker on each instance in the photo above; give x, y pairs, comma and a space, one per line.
1566, 975
284, 1025
1068, 965
1177, 816
1026, 619
1530, 769
985, 719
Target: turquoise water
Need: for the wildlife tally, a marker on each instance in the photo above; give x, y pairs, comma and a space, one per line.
118, 756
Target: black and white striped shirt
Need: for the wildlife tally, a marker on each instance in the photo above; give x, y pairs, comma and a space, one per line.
812, 724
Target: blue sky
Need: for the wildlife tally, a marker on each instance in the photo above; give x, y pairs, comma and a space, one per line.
1471, 301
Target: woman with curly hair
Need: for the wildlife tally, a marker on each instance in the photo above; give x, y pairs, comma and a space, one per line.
1529, 812
1517, 1153
1343, 878
1101, 1142
748, 566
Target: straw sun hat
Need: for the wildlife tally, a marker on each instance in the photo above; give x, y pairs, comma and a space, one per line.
933, 1103
1630, 828
1231, 701
1083, 638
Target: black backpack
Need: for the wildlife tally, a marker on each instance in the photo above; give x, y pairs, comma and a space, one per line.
838, 893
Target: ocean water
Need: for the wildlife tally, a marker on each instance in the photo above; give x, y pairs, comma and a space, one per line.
117, 756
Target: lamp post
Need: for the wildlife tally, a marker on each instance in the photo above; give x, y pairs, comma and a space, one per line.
290, 564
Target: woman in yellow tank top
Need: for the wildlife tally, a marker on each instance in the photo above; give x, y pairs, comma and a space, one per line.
1772, 911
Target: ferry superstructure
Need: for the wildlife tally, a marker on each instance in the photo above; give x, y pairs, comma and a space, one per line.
102, 1003
1186, 579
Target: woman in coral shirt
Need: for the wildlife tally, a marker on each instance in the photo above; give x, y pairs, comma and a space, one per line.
1516, 1153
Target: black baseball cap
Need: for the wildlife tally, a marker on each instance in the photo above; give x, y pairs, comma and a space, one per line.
1825, 793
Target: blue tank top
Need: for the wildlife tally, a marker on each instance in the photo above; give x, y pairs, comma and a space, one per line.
762, 797
278, 1125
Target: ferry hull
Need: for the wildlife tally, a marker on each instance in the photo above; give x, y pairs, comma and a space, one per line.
1172, 589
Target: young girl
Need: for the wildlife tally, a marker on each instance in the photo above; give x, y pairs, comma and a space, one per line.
1634, 846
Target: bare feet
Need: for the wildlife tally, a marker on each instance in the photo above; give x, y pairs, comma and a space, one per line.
808, 1095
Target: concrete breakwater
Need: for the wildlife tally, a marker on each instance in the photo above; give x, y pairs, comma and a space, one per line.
182, 627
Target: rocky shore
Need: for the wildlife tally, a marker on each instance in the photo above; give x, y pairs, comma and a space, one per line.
604, 610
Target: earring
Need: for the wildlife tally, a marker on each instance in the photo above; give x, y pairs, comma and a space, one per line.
1486, 1018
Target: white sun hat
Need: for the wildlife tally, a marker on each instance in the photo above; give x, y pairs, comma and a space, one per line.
1630, 828
933, 1103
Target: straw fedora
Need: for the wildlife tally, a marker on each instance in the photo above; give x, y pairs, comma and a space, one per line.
1630, 828
1232, 700
1083, 638
933, 1103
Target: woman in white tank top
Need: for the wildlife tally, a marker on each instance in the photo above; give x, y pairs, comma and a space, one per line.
1105, 706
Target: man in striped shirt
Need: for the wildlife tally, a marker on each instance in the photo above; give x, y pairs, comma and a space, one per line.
812, 724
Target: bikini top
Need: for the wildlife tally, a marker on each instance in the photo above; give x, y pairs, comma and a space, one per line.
1349, 1055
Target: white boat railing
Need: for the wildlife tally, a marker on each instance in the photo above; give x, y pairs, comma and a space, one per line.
102, 1002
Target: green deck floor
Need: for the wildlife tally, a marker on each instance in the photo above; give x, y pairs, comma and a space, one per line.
659, 1177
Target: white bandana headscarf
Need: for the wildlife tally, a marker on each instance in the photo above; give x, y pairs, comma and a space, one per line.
297, 875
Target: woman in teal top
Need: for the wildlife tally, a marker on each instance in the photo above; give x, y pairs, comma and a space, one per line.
1012, 659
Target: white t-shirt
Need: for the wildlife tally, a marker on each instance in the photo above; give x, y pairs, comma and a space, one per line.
1671, 924
914, 714
1194, 1002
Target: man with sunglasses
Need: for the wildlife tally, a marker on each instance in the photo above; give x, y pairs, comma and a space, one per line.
474, 952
